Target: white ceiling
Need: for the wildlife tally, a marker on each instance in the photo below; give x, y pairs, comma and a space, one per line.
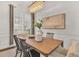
24, 5
16, 3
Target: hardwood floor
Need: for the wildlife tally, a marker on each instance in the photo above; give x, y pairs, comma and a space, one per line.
8, 53
12, 52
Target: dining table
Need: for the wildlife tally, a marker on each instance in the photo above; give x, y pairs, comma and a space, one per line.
45, 47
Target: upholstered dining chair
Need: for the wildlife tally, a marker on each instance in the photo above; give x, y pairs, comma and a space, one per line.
71, 51
50, 35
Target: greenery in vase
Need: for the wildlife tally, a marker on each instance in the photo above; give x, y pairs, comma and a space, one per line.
38, 24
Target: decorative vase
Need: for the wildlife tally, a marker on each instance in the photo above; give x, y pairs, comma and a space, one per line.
38, 35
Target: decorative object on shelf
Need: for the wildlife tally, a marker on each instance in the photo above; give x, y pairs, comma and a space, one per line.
50, 35
39, 33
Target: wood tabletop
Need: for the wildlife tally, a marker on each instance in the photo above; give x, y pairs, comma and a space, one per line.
46, 46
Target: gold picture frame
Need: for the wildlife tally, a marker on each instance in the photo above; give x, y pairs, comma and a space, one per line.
54, 22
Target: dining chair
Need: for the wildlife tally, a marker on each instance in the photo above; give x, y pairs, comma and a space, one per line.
50, 35
18, 49
25, 49
71, 51
22, 47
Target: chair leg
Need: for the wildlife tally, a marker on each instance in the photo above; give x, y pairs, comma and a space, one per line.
16, 53
25, 54
21, 54
30, 53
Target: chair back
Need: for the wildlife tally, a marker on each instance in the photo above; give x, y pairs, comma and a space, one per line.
50, 35
17, 42
25, 48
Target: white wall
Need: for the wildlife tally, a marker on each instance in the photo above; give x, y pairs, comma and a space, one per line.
71, 9
20, 10
4, 25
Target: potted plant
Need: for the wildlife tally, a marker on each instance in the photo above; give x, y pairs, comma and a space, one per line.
39, 33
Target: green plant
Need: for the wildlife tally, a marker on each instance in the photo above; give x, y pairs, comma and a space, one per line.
38, 24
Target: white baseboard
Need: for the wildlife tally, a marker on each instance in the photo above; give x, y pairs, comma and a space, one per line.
9, 47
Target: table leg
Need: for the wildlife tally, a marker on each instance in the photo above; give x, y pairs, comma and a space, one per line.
62, 44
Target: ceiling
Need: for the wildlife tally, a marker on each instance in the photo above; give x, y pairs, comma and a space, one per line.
23, 5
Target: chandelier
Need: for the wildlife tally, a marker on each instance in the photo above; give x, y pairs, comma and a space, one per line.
37, 5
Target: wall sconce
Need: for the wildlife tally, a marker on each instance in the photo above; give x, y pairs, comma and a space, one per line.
37, 5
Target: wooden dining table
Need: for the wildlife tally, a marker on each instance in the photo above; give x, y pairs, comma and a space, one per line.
45, 47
